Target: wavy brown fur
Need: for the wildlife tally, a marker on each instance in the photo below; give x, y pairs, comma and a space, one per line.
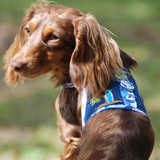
94, 54
72, 46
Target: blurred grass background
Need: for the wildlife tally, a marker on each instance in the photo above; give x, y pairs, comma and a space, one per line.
28, 129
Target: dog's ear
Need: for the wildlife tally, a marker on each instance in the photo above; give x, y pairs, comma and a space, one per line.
95, 58
128, 60
10, 76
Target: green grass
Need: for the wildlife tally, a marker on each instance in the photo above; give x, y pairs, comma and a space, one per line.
30, 143
27, 115
29, 111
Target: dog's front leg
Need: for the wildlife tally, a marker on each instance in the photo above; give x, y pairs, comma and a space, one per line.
70, 132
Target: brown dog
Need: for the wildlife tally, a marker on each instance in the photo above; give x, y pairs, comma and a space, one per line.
75, 49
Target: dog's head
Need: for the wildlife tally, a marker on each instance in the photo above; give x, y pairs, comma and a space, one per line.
68, 44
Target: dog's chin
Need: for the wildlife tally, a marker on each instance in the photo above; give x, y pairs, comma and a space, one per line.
29, 76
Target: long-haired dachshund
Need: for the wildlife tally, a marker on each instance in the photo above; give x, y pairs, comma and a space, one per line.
101, 115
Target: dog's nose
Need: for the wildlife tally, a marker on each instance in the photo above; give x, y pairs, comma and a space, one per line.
17, 66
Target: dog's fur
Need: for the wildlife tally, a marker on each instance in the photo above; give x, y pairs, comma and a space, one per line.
72, 46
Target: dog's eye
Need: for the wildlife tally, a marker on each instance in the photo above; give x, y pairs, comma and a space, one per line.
27, 30
53, 37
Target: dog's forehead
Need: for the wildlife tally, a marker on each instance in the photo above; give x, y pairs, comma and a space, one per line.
57, 17
56, 13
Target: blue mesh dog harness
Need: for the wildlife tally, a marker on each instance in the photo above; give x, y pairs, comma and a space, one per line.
120, 94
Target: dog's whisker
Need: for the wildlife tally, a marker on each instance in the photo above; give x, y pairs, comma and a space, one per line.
109, 31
